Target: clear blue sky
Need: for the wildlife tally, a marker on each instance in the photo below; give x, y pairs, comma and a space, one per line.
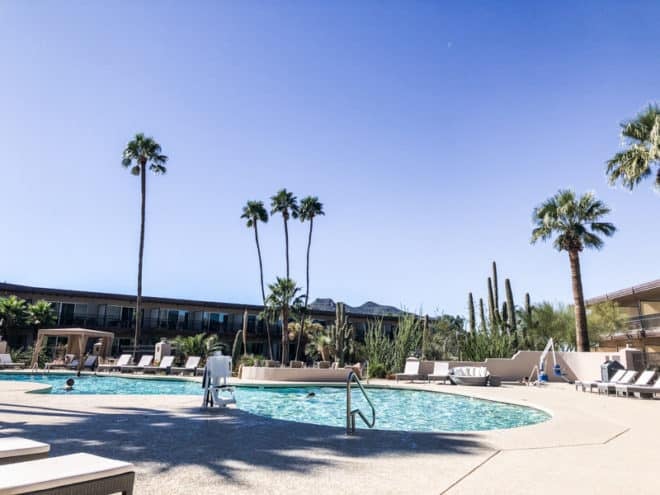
429, 130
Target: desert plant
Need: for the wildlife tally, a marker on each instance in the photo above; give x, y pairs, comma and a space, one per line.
379, 348
407, 339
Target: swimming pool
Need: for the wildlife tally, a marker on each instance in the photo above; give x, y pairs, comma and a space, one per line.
399, 410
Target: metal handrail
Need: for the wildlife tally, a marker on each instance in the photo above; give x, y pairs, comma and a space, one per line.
350, 413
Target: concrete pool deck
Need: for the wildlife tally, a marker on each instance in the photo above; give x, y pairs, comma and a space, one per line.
592, 444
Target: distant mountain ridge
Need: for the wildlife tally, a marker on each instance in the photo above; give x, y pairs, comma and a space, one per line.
368, 308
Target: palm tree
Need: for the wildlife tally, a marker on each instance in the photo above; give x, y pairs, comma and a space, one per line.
13, 313
642, 138
139, 153
283, 295
310, 207
286, 204
576, 224
41, 314
255, 212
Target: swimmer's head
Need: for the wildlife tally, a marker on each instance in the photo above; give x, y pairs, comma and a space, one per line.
70, 382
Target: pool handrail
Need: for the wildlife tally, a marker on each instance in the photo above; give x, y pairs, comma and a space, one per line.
350, 412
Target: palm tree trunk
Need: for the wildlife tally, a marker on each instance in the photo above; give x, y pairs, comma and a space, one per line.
138, 303
286, 246
285, 335
304, 318
263, 290
581, 334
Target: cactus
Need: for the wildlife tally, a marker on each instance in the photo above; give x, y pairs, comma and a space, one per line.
471, 318
425, 336
504, 327
341, 334
510, 304
491, 303
496, 286
482, 316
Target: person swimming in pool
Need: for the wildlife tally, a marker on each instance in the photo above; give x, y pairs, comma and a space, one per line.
310, 395
69, 384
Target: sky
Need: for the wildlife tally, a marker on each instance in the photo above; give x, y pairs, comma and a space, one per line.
428, 130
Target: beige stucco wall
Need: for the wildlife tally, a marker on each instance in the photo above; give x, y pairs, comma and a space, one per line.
294, 374
650, 307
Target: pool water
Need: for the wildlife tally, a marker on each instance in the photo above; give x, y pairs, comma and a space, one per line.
399, 410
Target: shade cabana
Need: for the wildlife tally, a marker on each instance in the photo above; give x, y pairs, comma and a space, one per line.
77, 339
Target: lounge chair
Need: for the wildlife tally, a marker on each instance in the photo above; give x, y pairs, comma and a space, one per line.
594, 383
626, 379
470, 375
642, 390
410, 371
68, 474
60, 363
643, 381
164, 365
440, 371
124, 360
192, 364
6, 362
145, 361
17, 449
90, 363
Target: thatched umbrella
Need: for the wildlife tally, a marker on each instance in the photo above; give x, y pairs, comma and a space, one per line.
245, 329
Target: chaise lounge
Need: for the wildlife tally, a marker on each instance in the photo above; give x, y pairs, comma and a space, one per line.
145, 361
644, 380
192, 364
440, 371
17, 449
124, 360
594, 383
410, 371
165, 365
6, 362
74, 474
626, 379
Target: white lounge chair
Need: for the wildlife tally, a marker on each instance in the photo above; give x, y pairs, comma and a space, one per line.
145, 360
68, 474
192, 364
164, 365
17, 449
440, 371
594, 383
410, 371
643, 381
644, 390
626, 379
6, 362
124, 360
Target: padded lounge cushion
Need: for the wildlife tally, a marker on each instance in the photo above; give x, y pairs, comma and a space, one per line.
17, 446
44, 474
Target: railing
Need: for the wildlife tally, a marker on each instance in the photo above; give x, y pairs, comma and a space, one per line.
648, 322
350, 412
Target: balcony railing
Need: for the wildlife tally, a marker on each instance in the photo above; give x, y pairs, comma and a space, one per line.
648, 322
107, 323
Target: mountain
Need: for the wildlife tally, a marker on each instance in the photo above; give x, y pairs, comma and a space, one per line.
368, 308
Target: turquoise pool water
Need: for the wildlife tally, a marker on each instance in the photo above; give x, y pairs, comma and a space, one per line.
399, 410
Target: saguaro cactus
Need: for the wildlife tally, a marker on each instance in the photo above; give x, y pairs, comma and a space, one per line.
482, 316
496, 286
471, 319
341, 333
510, 305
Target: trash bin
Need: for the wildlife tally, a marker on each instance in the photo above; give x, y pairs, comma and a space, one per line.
608, 368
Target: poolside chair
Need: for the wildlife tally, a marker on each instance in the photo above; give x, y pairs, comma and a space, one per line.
60, 363
68, 474
124, 360
192, 364
440, 371
594, 383
17, 449
6, 362
164, 365
145, 360
410, 371
644, 380
626, 379
90, 363
470, 375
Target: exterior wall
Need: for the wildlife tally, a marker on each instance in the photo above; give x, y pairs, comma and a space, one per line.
294, 374
649, 307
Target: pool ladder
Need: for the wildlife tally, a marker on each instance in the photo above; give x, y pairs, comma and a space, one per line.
350, 412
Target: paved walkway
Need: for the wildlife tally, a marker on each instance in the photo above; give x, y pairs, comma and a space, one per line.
592, 445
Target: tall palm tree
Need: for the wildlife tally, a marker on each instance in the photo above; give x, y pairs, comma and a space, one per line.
641, 136
255, 212
142, 153
286, 204
576, 224
283, 295
310, 207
